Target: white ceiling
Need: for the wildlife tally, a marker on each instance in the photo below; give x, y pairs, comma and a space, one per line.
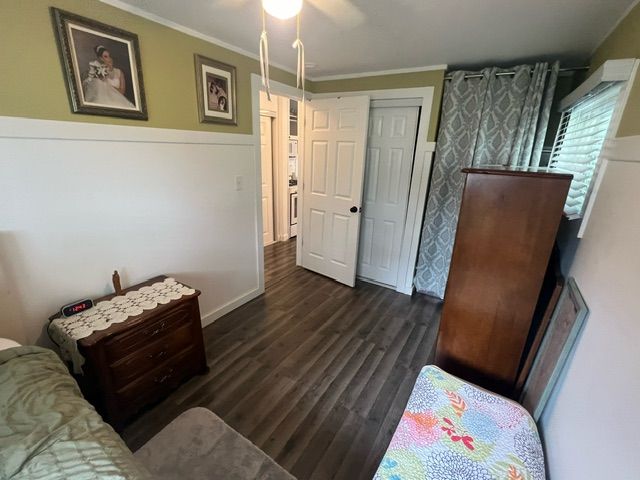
399, 34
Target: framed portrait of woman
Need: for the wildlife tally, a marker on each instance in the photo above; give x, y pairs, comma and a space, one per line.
102, 67
216, 86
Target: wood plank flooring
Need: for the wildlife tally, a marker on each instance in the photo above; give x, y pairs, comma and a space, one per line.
315, 373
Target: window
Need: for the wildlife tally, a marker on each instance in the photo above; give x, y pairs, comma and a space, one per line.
581, 135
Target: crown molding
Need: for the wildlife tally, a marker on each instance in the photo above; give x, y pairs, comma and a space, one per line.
377, 73
121, 5
189, 31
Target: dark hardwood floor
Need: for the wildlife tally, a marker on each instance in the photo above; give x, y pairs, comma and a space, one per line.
315, 373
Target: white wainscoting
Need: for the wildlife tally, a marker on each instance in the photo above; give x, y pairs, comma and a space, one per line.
589, 427
79, 200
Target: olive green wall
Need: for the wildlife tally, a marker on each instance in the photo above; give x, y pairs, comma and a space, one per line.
624, 42
32, 79
431, 78
33, 82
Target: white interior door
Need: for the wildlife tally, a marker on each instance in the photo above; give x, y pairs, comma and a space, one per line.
390, 151
333, 171
266, 158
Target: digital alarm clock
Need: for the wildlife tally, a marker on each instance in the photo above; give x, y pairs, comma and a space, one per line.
76, 307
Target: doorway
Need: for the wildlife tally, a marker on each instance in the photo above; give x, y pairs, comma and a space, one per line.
415, 199
279, 157
385, 255
357, 177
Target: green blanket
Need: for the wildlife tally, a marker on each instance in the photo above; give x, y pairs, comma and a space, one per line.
48, 431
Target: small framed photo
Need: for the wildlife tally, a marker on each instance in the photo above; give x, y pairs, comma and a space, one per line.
102, 67
216, 85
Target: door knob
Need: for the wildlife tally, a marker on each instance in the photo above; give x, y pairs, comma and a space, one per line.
353, 209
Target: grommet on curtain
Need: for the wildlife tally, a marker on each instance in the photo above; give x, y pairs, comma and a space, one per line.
264, 56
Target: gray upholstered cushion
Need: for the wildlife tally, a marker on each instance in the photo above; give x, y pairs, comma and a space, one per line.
199, 445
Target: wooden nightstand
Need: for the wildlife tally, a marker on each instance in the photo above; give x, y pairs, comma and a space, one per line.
141, 360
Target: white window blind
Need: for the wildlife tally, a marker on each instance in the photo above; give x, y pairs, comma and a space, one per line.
581, 135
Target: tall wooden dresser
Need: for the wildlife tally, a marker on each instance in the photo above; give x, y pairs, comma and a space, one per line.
506, 231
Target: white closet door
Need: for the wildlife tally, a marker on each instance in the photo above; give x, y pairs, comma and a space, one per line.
390, 152
333, 171
266, 157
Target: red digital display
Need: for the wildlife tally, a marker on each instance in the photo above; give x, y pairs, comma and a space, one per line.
77, 307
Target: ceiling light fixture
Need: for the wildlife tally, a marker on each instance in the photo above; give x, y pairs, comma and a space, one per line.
282, 9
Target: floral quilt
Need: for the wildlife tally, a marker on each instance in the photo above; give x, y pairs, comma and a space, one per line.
452, 430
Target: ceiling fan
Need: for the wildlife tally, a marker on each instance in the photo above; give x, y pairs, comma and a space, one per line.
343, 12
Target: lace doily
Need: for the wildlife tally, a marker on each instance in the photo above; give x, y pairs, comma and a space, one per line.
67, 331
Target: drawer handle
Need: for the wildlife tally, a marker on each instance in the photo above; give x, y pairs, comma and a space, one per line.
160, 354
158, 330
164, 378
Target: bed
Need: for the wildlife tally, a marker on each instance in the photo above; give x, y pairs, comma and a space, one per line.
47, 429
453, 430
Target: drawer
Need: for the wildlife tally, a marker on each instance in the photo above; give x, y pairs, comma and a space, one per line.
142, 361
133, 340
158, 382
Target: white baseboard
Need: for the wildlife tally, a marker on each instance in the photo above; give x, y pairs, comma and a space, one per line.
221, 311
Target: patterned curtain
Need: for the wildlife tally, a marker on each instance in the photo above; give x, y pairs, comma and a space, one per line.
487, 120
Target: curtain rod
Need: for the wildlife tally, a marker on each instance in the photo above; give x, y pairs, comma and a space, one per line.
500, 74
